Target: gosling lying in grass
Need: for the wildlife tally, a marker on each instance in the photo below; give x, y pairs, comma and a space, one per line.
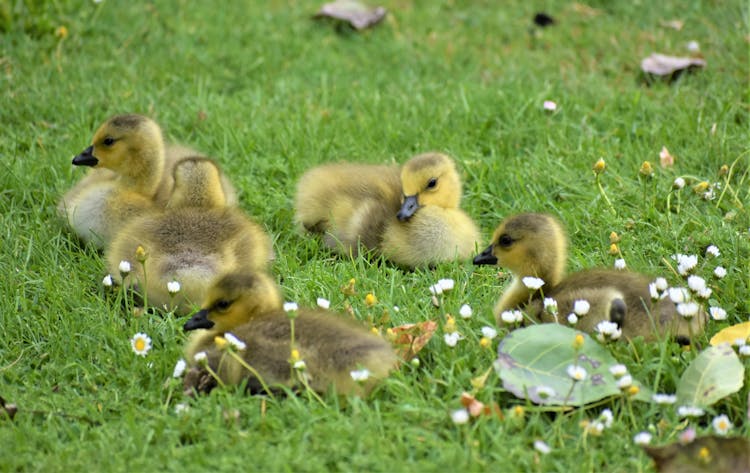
248, 305
410, 215
197, 238
131, 173
535, 245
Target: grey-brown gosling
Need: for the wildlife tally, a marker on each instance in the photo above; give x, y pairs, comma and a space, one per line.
249, 306
535, 245
410, 215
197, 238
131, 173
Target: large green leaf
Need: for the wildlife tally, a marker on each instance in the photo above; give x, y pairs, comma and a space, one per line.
539, 355
716, 373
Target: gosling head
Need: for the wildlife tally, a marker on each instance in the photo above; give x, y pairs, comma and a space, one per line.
529, 244
429, 179
234, 299
197, 183
129, 145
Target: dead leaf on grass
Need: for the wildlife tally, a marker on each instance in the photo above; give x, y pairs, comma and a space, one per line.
674, 24
355, 13
411, 338
663, 65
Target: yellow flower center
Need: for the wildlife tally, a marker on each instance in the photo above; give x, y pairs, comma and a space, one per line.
140, 344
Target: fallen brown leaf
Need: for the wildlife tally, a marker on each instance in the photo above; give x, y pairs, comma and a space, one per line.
663, 65
411, 338
353, 12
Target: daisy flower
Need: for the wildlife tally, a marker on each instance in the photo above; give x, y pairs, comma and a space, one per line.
235, 342
532, 283
451, 339
618, 370
436, 290
606, 418
687, 309
661, 284
460, 416
124, 267
465, 311
541, 447
717, 313
686, 263
678, 294
690, 411
713, 251
200, 357
721, 424
664, 398
625, 382
545, 392
549, 105
182, 407
607, 330
653, 291
581, 307
107, 281
511, 316
577, 373
323, 303
642, 438
744, 350
300, 365
173, 287
360, 375
141, 344
179, 368
290, 307
446, 284
696, 283
620, 263
572, 319
678, 183
720, 272
489, 332
550, 305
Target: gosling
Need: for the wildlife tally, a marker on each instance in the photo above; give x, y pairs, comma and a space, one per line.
131, 174
535, 245
409, 215
195, 239
248, 305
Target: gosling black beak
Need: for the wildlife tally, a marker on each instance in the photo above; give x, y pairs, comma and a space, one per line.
485, 257
86, 158
199, 320
408, 208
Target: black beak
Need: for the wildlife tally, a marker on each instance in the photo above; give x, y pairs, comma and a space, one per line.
199, 320
485, 257
86, 158
408, 208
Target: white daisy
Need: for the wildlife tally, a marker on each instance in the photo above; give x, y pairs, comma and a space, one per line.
687, 309
545, 392
572, 319
436, 290
446, 284
618, 370
696, 283
713, 251
704, 293
664, 398
607, 330
124, 267
511, 316
234, 341
721, 424
465, 311
685, 263
300, 365
693, 46
744, 350
179, 368
720, 272
290, 307
460, 416
678, 183
653, 291
625, 382
451, 339
541, 447
107, 281
182, 407
620, 263
141, 344
642, 438
323, 303
549, 105
489, 332
690, 411
717, 313
173, 287
581, 307
360, 375
550, 305
201, 357
532, 283
661, 284
606, 417
577, 373
678, 294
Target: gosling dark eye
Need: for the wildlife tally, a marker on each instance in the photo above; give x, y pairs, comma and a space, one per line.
223, 304
108, 141
432, 183
505, 241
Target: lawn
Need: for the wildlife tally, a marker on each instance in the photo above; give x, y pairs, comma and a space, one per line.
269, 92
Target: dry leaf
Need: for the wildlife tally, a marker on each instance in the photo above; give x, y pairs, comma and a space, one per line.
704, 455
357, 14
730, 334
411, 338
663, 65
474, 407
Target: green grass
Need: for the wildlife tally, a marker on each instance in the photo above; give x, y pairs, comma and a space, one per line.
269, 93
